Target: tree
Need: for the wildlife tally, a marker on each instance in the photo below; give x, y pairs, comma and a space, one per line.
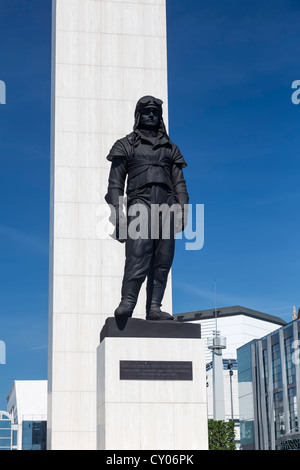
221, 435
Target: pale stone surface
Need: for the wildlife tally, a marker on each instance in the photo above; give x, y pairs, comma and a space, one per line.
106, 54
153, 415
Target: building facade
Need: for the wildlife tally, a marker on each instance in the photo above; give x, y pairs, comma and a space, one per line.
238, 325
34, 435
8, 432
269, 390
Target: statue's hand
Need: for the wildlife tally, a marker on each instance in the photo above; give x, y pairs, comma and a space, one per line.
118, 219
121, 228
180, 220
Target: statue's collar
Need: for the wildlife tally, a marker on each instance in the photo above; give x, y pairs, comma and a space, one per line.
157, 141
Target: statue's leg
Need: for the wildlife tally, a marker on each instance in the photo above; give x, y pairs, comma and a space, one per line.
138, 260
149, 288
164, 254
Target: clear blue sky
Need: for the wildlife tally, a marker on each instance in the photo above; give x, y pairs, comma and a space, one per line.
231, 66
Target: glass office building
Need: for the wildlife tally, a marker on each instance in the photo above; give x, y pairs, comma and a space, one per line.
34, 435
269, 390
8, 433
27, 404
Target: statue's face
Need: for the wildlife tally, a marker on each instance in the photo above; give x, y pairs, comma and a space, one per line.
150, 118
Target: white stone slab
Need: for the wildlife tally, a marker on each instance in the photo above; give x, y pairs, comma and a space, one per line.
151, 414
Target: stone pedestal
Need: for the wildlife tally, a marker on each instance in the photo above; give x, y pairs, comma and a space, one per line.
151, 386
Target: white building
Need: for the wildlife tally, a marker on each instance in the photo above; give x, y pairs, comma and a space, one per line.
238, 325
27, 403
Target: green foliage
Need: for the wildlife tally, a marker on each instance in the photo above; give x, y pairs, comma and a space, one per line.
221, 435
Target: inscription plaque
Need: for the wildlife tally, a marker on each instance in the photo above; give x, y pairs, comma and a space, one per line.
156, 370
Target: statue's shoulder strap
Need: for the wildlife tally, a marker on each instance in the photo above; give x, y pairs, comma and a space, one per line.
177, 157
120, 149
130, 138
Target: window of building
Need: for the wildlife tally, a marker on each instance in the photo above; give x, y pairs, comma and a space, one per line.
34, 435
279, 424
268, 419
265, 367
293, 414
276, 365
246, 403
290, 366
5, 431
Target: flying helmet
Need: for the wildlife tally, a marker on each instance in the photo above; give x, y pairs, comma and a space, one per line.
148, 102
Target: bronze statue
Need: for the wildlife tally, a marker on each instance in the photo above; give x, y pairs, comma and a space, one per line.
153, 167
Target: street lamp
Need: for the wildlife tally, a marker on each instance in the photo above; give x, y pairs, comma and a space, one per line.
229, 367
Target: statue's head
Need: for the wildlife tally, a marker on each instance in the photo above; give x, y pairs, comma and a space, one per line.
148, 114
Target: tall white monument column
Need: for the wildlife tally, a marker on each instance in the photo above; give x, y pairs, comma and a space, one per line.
106, 54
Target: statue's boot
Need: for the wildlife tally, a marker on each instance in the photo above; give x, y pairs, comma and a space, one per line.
130, 292
155, 313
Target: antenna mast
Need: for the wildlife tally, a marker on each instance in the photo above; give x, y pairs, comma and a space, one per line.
216, 316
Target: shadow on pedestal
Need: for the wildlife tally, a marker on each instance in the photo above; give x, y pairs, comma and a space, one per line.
139, 328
